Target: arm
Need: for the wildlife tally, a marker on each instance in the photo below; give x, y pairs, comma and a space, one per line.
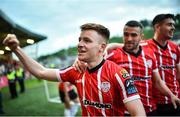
160, 85
66, 96
34, 67
135, 108
178, 72
113, 46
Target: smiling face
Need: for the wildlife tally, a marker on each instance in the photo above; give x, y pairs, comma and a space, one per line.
91, 46
132, 36
166, 28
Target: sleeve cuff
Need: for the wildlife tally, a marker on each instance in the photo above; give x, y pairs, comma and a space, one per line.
135, 97
58, 75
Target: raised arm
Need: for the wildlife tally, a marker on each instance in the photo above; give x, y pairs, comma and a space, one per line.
33, 67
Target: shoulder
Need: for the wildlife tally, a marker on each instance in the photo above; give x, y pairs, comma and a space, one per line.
171, 43
112, 65
114, 53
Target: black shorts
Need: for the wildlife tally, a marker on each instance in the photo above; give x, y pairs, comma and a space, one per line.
72, 95
167, 110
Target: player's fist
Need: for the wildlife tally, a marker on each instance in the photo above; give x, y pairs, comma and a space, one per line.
11, 41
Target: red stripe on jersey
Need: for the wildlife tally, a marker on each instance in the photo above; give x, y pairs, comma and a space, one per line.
100, 93
140, 68
167, 59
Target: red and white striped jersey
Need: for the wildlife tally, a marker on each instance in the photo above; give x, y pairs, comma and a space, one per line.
167, 59
140, 67
102, 90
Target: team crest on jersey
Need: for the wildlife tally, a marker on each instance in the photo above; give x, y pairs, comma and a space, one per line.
105, 86
174, 56
149, 63
124, 73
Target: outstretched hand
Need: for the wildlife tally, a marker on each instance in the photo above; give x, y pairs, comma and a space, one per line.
11, 41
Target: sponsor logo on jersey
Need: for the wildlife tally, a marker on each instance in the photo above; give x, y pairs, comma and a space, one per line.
166, 67
149, 63
174, 56
124, 73
96, 104
130, 88
138, 78
105, 86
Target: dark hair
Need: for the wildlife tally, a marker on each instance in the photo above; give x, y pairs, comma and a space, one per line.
159, 18
133, 23
98, 28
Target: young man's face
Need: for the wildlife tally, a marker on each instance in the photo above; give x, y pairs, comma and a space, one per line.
90, 46
166, 28
132, 37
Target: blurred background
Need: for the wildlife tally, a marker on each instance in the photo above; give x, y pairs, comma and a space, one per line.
48, 31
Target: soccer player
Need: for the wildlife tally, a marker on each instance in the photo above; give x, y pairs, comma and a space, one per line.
140, 62
104, 89
68, 94
168, 59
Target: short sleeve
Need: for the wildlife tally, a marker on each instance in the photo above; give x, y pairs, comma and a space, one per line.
67, 75
126, 85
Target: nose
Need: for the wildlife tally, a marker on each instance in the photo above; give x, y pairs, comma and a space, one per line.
80, 44
173, 27
128, 37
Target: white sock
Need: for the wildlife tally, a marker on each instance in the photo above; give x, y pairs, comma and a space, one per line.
67, 112
74, 109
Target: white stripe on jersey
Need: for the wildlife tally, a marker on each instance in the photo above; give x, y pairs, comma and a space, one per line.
121, 85
83, 92
99, 90
130, 65
146, 74
173, 64
162, 71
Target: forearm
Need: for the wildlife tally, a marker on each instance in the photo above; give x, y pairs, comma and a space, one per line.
178, 72
162, 87
113, 46
135, 108
32, 66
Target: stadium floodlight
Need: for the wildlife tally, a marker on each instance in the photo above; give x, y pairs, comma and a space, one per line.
30, 41
7, 48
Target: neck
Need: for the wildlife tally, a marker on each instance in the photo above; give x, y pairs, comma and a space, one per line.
161, 40
94, 63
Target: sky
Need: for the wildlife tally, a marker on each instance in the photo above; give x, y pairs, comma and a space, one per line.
60, 20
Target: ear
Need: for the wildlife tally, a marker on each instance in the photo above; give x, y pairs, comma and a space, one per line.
142, 36
156, 26
103, 46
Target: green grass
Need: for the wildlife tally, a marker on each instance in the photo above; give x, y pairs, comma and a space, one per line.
33, 102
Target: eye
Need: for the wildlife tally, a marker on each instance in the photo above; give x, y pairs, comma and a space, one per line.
87, 40
126, 34
134, 34
79, 39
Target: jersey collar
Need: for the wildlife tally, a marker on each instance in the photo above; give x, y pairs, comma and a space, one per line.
97, 67
162, 47
134, 54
